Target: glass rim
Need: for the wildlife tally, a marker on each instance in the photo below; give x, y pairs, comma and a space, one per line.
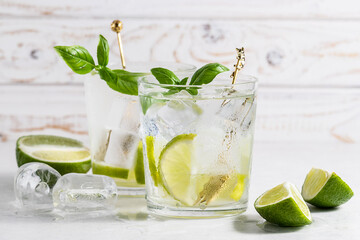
242, 79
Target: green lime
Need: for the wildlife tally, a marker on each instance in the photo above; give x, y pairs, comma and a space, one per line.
175, 167
102, 168
283, 205
64, 154
139, 165
325, 189
151, 159
239, 188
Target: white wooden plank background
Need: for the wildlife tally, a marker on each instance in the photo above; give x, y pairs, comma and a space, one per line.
211, 9
278, 52
312, 44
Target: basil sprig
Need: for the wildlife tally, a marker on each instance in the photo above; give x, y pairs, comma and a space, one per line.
204, 75
81, 62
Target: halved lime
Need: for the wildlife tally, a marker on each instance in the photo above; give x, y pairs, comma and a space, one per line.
283, 205
64, 154
324, 189
175, 167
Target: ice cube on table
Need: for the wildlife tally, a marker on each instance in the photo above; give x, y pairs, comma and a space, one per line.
122, 148
33, 185
83, 192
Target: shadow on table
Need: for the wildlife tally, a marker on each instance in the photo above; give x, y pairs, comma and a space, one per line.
314, 209
254, 224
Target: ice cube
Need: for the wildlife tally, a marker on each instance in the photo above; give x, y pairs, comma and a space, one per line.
237, 114
122, 148
210, 152
148, 123
178, 116
33, 185
82, 192
123, 114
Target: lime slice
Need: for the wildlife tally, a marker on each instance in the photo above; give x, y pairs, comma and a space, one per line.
102, 168
325, 189
151, 159
283, 205
64, 154
175, 167
139, 165
239, 188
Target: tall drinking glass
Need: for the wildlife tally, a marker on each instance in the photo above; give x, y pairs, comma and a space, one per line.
113, 118
198, 146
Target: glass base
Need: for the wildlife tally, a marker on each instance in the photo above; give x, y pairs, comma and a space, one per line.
190, 213
133, 192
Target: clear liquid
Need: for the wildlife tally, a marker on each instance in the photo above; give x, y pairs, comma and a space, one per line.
219, 162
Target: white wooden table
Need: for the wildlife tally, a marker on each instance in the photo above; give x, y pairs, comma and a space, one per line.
273, 163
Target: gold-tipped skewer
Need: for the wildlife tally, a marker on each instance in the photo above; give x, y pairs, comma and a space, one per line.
117, 26
212, 188
239, 64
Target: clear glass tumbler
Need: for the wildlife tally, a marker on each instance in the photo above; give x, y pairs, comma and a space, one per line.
113, 118
198, 146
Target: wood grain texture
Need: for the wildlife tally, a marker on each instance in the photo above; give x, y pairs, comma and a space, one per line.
278, 52
42, 109
211, 9
283, 115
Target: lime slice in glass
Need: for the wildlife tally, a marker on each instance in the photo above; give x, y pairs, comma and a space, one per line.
150, 140
175, 167
139, 165
283, 205
325, 189
64, 154
102, 168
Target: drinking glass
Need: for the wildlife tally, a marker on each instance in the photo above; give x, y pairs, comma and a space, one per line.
198, 146
113, 121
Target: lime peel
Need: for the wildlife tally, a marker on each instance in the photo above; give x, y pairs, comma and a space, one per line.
283, 205
324, 189
63, 154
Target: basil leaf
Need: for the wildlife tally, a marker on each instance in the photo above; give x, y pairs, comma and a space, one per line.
103, 51
184, 81
77, 58
207, 73
146, 102
192, 91
118, 80
165, 76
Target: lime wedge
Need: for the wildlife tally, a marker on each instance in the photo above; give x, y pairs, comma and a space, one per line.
325, 189
175, 167
283, 205
139, 165
102, 168
64, 154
